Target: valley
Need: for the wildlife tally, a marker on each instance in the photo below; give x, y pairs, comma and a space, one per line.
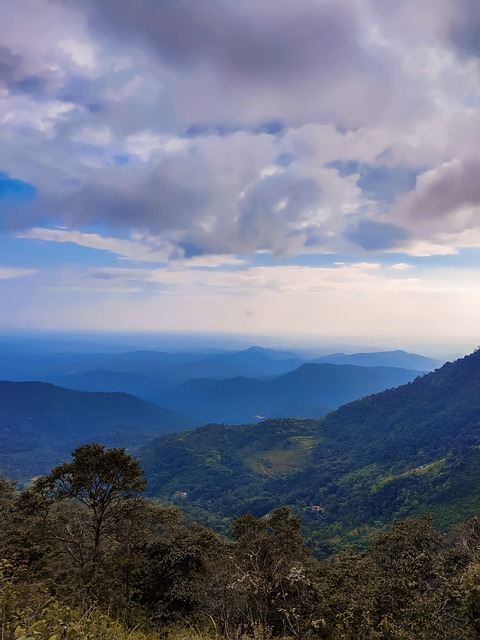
349, 447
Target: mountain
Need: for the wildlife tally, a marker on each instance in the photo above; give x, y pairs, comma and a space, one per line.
40, 423
316, 388
169, 367
234, 391
397, 358
403, 452
103, 380
163, 367
255, 361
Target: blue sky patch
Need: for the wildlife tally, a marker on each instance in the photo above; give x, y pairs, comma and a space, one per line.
345, 168
375, 236
379, 182
11, 188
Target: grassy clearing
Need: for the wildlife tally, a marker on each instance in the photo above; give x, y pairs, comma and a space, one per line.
431, 468
289, 455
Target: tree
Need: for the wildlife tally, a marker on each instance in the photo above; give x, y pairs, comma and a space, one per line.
179, 570
99, 479
7, 492
266, 585
79, 501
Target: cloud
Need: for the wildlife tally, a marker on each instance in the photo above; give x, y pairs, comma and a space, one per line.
247, 63
401, 266
238, 40
446, 198
366, 302
199, 128
17, 75
9, 273
211, 196
9, 63
463, 30
444, 202
140, 249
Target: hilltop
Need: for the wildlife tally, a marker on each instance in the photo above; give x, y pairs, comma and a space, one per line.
312, 389
40, 423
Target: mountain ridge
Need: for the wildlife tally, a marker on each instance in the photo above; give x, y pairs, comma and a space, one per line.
399, 453
240, 399
41, 422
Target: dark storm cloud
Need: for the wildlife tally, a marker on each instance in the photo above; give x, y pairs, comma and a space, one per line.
258, 65
9, 66
82, 90
167, 195
463, 30
272, 39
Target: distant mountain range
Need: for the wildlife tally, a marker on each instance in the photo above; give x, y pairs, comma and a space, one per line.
406, 451
173, 368
41, 423
228, 386
397, 358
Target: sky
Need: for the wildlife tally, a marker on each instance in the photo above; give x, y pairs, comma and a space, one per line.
303, 168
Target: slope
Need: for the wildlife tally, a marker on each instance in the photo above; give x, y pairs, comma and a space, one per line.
402, 452
40, 423
397, 358
311, 388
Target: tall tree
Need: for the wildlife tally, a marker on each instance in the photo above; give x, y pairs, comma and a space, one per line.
99, 479
78, 503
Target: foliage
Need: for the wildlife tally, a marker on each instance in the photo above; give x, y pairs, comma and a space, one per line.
400, 453
414, 584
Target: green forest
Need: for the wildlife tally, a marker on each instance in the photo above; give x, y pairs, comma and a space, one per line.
403, 453
85, 555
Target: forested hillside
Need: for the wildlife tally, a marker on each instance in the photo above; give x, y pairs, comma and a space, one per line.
402, 452
41, 423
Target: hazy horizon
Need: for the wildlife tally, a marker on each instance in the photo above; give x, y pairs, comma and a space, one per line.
211, 342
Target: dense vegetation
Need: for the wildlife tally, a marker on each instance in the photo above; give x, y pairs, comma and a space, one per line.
400, 453
83, 555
